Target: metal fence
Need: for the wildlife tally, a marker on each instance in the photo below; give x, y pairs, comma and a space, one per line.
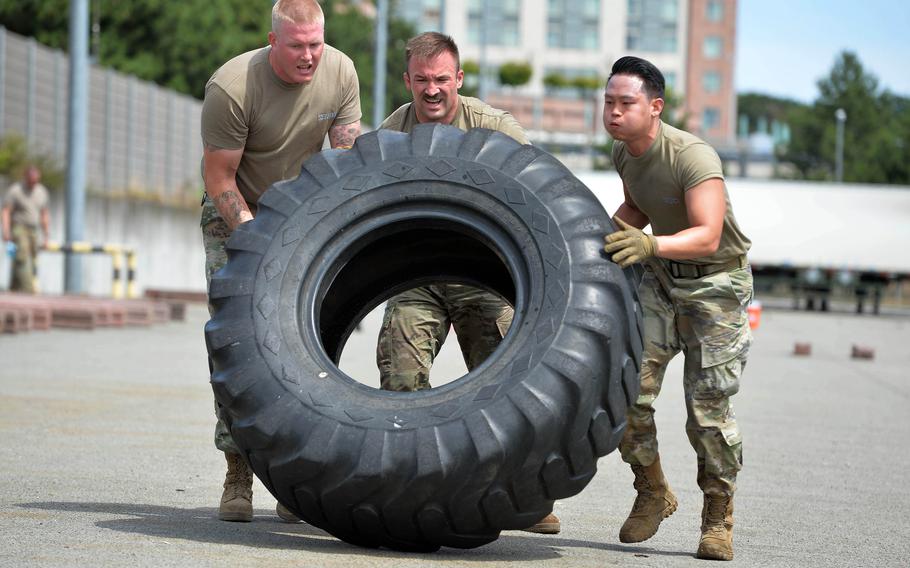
143, 140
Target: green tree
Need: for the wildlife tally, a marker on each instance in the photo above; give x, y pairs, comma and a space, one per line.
757, 107
175, 44
349, 30
180, 44
876, 133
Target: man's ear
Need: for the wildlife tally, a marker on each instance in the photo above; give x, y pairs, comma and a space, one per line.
657, 106
407, 80
273, 39
459, 78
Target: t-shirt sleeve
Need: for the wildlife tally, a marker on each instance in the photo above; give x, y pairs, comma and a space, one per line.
349, 111
508, 125
395, 121
223, 122
698, 163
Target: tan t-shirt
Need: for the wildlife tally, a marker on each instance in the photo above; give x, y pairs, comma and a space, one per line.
471, 113
277, 124
658, 180
26, 204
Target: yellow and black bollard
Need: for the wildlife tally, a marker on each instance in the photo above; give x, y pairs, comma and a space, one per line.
116, 253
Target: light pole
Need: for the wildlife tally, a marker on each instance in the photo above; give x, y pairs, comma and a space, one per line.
75, 150
841, 116
382, 39
484, 64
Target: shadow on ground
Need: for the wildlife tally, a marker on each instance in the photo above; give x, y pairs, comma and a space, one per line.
268, 531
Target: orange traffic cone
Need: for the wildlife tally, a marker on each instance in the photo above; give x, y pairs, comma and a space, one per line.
754, 310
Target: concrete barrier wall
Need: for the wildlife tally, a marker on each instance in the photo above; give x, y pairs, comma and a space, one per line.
167, 242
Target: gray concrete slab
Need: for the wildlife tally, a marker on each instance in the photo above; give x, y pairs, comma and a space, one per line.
106, 460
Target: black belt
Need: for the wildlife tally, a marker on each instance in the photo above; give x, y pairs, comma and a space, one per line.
682, 270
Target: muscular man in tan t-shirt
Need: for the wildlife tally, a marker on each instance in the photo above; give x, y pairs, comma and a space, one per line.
264, 113
694, 294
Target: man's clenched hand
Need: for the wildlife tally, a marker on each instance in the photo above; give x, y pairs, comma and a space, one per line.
629, 245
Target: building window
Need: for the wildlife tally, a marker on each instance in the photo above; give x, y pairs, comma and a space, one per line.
710, 81
652, 25
573, 24
714, 10
713, 47
710, 119
426, 15
502, 26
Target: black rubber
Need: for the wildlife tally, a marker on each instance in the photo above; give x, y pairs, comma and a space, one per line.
449, 466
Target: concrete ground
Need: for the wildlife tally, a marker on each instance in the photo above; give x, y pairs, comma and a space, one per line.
106, 459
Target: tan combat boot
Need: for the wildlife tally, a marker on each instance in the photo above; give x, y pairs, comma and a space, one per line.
286, 514
237, 499
716, 528
654, 503
547, 525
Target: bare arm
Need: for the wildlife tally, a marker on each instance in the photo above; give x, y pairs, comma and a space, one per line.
706, 205
6, 223
343, 135
630, 213
220, 168
45, 225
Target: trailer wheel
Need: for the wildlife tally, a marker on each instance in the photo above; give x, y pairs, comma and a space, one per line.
454, 465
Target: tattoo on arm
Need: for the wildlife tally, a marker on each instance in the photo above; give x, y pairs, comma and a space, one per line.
343, 136
233, 208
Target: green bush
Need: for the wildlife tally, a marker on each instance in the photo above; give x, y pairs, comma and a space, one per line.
515, 73
15, 156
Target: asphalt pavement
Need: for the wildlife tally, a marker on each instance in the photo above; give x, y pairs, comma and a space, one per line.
106, 459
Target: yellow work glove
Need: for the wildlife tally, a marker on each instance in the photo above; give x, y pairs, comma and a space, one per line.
629, 245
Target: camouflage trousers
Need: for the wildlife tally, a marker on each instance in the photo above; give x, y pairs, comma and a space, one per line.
705, 318
25, 263
416, 323
215, 232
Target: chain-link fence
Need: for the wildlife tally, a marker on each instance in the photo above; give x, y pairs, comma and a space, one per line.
143, 140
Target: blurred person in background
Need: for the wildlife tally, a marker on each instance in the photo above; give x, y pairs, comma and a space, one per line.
25, 209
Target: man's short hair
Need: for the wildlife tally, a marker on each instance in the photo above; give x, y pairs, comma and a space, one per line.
296, 12
429, 45
652, 78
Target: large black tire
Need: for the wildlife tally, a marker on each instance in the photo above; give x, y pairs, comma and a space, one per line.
449, 466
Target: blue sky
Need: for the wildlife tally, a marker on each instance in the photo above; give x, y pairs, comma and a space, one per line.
785, 46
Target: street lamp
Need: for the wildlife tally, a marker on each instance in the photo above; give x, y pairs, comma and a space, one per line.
841, 116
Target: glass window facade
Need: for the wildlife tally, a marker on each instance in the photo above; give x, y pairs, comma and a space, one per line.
710, 81
653, 25
714, 10
503, 26
573, 24
426, 15
713, 48
710, 119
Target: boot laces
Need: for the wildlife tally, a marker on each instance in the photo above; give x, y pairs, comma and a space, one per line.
715, 515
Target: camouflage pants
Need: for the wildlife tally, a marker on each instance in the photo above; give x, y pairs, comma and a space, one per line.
706, 319
215, 233
25, 263
416, 324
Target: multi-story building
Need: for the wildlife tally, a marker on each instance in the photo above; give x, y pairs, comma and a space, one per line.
691, 41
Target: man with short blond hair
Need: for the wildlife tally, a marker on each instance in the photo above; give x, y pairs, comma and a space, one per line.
264, 113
